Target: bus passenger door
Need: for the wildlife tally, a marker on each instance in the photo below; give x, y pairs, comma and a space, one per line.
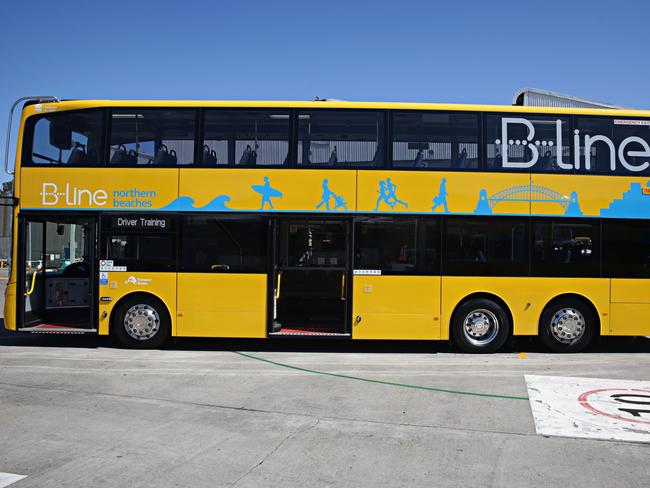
311, 277
57, 275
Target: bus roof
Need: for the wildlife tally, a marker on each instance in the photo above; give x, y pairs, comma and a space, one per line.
35, 108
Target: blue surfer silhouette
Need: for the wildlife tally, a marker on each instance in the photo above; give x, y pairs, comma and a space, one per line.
441, 197
267, 193
339, 201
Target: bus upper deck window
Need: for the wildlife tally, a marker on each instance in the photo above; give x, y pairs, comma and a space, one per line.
152, 137
71, 138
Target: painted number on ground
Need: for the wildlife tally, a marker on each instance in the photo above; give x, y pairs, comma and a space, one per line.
590, 407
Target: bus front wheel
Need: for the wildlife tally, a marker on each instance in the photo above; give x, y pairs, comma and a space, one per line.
141, 322
480, 326
567, 325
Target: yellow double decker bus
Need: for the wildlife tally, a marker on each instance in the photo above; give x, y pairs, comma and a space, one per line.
147, 219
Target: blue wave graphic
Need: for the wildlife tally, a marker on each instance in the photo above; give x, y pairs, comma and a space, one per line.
186, 204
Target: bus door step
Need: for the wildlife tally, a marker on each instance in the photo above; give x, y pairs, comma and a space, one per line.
56, 329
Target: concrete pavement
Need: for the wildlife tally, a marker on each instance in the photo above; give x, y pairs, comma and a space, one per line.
75, 411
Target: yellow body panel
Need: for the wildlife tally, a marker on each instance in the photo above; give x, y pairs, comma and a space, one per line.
123, 283
81, 104
221, 305
10, 307
124, 189
630, 307
233, 188
526, 297
594, 193
396, 307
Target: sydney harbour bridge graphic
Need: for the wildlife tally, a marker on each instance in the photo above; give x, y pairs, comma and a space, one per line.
528, 193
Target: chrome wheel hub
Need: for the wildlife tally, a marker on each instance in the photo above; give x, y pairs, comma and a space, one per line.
567, 325
141, 322
480, 327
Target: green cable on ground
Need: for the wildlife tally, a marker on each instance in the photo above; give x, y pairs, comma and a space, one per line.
380, 382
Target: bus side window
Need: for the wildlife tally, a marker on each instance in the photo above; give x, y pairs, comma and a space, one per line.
152, 137
69, 138
246, 137
341, 138
435, 140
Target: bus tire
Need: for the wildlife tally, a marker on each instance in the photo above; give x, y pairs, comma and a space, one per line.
480, 326
141, 322
567, 325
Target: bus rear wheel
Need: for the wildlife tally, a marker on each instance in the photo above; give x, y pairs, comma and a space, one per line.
141, 322
567, 325
480, 326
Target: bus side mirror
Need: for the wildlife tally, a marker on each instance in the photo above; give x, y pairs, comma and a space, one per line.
60, 135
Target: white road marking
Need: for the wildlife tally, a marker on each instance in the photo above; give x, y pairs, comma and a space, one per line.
7, 479
590, 407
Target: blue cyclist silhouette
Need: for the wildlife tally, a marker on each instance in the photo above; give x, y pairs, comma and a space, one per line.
387, 194
339, 201
441, 197
267, 193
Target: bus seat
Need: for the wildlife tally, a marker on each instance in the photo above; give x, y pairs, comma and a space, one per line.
246, 155
209, 155
419, 159
545, 162
378, 157
333, 157
162, 155
119, 155
462, 159
78, 155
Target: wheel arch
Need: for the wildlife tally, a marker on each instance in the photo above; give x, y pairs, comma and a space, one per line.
136, 294
572, 296
482, 295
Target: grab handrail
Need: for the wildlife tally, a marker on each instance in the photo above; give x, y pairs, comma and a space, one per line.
46, 98
31, 288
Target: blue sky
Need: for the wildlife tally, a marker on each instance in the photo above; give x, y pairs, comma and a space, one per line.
427, 51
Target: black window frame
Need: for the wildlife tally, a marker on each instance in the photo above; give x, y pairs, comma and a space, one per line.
527, 115
109, 130
264, 220
467, 268
385, 135
479, 141
28, 140
419, 223
617, 269
106, 229
549, 266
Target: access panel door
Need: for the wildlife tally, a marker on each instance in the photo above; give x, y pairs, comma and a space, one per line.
396, 286
396, 307
630, 307
222, 281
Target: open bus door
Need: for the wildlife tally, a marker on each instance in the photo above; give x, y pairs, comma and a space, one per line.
57, 274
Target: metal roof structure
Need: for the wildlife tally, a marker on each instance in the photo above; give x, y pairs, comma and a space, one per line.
534, 97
